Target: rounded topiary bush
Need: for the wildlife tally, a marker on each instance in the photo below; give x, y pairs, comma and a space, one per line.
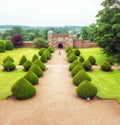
71, 58
32, 77
81, 59
2, 46
40, 52
27, 65
51, 49
22, 60
47, 54
40, 64
106, 66
9, 66
34, 57
86, 90
76, 69
9, 45
8, 58
68, 48
77, 52
43, 58
80, 77
87, 65
37, 70
92, 60
73, 64
23, 89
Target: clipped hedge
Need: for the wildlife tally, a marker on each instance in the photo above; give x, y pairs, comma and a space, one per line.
37, 70
8, 58
2, 46
40, 52
23, 89
43, 58
92, 60
68, 48
81, 59
87, 65
77, 52
86, 90
34, 57
72, 57
27, 65
73, 64
9, 66
80, 77
9, 45
22, 60
106, 66
32, 77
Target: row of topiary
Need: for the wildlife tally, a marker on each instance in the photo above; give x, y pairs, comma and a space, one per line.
74, 54
6, 45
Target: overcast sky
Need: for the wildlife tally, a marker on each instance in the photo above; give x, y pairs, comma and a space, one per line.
49, 12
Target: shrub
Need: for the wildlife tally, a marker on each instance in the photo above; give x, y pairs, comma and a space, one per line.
41, 51
80, 77
32, 77
92, 60
76, 69
9, 66
86, 90
37, 70
51, 49
77, 52
27, 65
8, 58
81, 59
23, 89
22, 60
106, 66
34, 57
40, 64
43, 58
70, 52
73, 64
71, 58
8, 45
87, 65
48, 56
2, 46
68, 48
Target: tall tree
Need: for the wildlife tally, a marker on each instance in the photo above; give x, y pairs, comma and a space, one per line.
107, 32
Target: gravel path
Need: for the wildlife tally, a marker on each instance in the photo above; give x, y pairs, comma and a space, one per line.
56, 102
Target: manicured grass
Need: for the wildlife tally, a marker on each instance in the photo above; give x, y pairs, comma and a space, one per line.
7, 79
16, 54
96, 52
108, 83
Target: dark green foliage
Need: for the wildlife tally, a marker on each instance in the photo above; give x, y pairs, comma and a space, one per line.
86, 90
51, 49
9, 45
37, 70
92, 60
23, 89
8, 58
40, 64
22, 60
77, 52
41, 51
106, 66
9, 66
81, 59
34, 57
76, 69
43, 58
80, 77
2, 46
27, 65
32, 77
68, 48
71, 58
73, 64
87, 65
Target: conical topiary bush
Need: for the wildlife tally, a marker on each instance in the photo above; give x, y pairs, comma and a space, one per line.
80, 77
8, 58
51, 49
81, 59
32, 77
41, 51
106, 66
86, 90
92, 60
34, 57
71, 58
87, 65
40, 64
68, 48
73, 64
9, 45
27, 65
37, 70
22, 60
76, 69
23, 89
9, 66
70, 52
43, 58
47, 54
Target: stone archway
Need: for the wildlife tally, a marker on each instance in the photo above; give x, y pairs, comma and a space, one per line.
60, 45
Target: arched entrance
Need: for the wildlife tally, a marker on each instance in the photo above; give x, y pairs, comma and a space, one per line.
60, 45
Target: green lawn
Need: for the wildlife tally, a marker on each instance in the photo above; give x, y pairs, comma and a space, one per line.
96, 52
108, 83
